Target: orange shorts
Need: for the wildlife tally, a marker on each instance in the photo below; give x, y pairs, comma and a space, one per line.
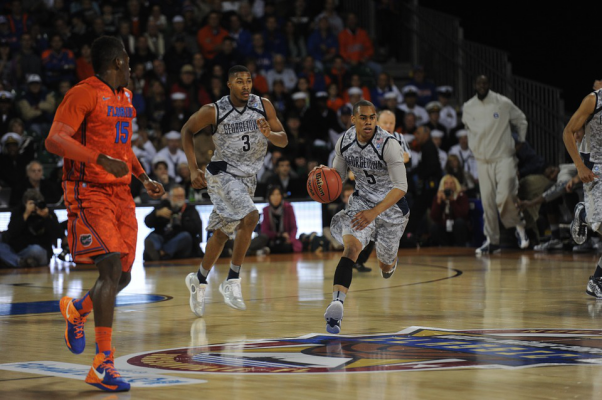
102, 219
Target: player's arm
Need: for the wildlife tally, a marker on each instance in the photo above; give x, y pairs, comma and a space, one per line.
519, 120
155, 189
78, 102
271, 127
339, 163
198, 121
397, 173
577, 122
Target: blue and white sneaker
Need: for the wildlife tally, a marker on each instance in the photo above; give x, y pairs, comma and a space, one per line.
578, 227
333, 316
522, 238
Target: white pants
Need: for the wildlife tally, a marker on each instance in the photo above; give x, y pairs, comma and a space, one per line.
499, 188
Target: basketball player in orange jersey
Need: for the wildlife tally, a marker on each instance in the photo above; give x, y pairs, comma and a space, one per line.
92, 130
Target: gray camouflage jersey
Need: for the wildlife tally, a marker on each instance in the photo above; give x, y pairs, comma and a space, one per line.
240, 147
372, 181
594, 132
402, 142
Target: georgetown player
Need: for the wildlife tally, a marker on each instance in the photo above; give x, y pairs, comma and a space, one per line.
377, 210
588, 213
243, 124
386, 120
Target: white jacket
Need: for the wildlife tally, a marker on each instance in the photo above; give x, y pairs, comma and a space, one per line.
488, 124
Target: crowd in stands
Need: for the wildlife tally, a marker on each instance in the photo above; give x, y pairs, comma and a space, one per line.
312, 59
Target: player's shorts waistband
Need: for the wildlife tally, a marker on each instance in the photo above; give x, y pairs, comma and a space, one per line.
97, 185
215, 167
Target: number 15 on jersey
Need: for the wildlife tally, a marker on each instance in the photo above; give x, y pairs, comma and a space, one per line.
121, 132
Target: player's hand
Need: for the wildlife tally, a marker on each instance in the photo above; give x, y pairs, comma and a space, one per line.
154, 189
586, 175
197, 179
113, 166
362, 219
264, 127
318, 167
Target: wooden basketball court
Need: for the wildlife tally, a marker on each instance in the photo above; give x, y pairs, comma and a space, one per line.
418, 335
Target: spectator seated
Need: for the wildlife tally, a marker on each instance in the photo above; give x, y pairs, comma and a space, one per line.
177, 229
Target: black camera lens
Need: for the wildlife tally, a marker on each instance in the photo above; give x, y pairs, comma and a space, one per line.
447, 192
41, 205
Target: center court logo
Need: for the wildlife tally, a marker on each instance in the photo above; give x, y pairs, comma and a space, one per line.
415, 348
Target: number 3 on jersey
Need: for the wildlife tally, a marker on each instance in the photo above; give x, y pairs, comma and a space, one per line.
246, 146
121, 132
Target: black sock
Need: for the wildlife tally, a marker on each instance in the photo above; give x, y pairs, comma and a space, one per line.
234, 272
202, 275
598, 271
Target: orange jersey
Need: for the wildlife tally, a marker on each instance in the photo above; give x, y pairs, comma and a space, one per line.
102, 121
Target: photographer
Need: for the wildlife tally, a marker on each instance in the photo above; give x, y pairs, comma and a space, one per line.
177, 227
449, 213
32, 230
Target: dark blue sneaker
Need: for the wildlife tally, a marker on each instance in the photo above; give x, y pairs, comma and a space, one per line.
103, 374
75, 339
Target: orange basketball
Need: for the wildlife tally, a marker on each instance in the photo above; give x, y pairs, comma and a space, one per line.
324, 185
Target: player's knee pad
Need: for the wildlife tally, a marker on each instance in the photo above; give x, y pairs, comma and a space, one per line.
344, 272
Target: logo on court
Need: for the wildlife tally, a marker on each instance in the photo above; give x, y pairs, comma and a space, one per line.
85, 240
415, 348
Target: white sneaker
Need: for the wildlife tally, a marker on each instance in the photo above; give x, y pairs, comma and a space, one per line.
197, 294
333, 317
232, 292
487, 248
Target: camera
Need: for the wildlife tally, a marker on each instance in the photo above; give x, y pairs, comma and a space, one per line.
448, 192
41, 204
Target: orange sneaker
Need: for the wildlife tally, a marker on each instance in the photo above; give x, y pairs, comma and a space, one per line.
103, 374
75, 339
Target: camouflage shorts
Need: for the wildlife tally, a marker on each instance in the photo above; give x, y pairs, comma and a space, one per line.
592, 197
386, 230
232, 200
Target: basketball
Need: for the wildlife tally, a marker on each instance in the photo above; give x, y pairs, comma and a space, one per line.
324, 185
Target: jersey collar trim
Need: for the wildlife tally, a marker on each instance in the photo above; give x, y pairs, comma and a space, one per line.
235, 108
109, 86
